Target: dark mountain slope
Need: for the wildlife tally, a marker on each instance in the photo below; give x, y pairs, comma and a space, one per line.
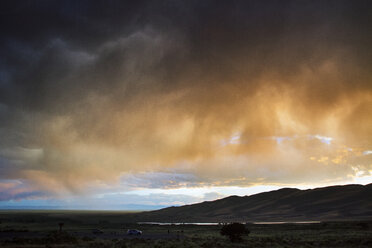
329, 203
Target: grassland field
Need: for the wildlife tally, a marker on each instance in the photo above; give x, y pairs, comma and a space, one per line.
41, 229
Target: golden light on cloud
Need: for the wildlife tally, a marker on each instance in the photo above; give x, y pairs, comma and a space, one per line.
237, 103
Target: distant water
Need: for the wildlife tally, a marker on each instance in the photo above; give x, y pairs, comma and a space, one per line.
177, 223
215, 223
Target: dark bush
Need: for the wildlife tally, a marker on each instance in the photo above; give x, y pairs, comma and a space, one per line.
363, 225
234, 231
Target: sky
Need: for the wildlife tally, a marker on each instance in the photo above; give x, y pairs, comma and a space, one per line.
146, 104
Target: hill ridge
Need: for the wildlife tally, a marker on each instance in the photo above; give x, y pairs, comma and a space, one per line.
338, 202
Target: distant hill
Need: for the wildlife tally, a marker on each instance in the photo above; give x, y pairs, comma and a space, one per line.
287, 204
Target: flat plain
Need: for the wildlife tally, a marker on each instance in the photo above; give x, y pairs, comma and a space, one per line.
42, 229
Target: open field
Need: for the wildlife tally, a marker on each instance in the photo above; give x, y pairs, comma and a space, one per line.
40, 229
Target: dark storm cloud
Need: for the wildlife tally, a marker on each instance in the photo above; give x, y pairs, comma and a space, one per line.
223, 40
92, 89
264, 35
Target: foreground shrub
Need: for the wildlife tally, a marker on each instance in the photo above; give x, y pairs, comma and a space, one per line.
234, 231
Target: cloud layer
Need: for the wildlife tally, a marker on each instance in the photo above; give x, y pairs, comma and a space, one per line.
220, 93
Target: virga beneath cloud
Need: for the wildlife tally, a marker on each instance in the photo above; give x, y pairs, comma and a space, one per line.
232, 93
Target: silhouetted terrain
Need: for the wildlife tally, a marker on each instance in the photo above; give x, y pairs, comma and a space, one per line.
287, 204
41, 229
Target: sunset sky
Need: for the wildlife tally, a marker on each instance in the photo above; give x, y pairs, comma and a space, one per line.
142, 104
